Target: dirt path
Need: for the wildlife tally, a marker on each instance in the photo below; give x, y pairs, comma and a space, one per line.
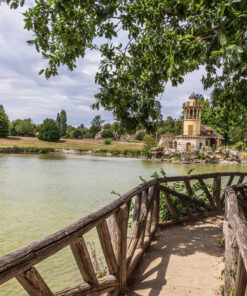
181, 261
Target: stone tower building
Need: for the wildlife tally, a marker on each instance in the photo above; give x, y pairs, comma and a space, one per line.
195, 135
192, 116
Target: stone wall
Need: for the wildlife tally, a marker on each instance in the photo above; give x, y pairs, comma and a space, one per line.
195, 144
167, 141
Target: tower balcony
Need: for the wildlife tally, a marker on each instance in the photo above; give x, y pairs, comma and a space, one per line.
195, 105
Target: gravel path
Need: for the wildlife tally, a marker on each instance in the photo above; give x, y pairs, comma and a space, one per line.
182, 261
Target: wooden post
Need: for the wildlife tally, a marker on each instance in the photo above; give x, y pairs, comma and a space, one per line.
241, 179
105, 240
156, 211
216, 193
118, 225
149, 222
188, 187
124, 214
207, 193
83, 260
134, 235
170, 205
230, 258
229, 182
241, 279
33, 283
144, 213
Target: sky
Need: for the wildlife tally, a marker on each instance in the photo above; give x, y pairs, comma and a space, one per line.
25, 94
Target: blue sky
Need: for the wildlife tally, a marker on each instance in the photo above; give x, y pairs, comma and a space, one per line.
24, 93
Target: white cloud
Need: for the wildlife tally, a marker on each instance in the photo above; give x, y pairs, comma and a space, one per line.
26, 94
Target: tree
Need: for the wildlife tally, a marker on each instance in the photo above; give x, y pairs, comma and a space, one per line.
22, 127
4, 123
228, 117
159, 115
49, 131
77, 133
63, 120
167, 39
96, 125
118, 128
170, 126
107, 133
58, 120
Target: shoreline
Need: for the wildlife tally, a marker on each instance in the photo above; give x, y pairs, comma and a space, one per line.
54, 151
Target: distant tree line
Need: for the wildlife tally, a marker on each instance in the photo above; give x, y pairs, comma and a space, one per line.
229, 118
53, 130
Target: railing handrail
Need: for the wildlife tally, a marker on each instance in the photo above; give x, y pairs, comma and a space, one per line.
62, 238
236, 220
235, 230
20, 263
200, 176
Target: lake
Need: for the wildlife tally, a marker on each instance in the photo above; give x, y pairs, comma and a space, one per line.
40, 194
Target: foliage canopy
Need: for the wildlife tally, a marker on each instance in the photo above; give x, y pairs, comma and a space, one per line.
49, 131
166, 40
22, 127
4, 123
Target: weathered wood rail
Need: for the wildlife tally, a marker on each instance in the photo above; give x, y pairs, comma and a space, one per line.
122, 249
235, 230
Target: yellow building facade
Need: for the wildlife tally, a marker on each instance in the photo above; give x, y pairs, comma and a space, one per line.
195, 135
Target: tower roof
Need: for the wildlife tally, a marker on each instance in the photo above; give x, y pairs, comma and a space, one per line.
193, 96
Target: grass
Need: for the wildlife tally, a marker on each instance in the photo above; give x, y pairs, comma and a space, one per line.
30, 144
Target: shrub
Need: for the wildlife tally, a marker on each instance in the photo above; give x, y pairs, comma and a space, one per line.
4, 124
149, 143
49, 131
107, 133
76, 134
140, 136
240, 145
107, 141
197, 193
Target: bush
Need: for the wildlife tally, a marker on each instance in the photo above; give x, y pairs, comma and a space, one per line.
76, 134
4, 124
149, 143
240, 145
49, 131
107, 141
107, 133
140, 136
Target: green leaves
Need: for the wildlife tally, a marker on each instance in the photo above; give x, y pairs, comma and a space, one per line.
166, 40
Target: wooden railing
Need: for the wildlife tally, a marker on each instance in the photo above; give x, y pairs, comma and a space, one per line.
235, 230
122, 249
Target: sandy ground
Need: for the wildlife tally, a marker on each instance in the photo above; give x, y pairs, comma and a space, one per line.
181, 261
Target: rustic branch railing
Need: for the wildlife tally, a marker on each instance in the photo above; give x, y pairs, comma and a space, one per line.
235, 230
121, 253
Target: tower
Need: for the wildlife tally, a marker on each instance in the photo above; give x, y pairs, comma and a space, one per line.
192, 116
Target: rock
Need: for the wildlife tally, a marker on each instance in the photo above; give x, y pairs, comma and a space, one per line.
156, 152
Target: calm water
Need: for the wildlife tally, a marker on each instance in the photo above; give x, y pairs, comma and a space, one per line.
41, 194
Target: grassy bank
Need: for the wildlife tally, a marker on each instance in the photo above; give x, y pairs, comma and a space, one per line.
34, 145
